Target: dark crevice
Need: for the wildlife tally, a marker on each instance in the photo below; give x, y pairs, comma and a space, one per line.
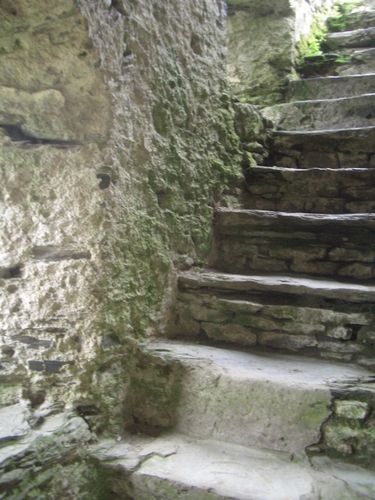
17, 135
105, 180
11, 272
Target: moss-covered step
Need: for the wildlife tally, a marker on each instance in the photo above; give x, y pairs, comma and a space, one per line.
338, 246
346, 61
323, 114
180, 467
339, 148
359, 18
362, 37
314, 190
328, 328
330, 87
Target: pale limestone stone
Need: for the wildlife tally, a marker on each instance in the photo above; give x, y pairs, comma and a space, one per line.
285, 341
340, 332
230, 333
352, 409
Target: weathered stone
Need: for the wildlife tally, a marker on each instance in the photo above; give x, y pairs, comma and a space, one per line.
347, 255
356, 270
230, 333
366, 334
340, 347
352, 409
284, 341
340, 332
255, 322
340, 437
211, 315
13, 422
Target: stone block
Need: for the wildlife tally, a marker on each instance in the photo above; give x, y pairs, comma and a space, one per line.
339, 347
350, 255
211, 315
255, 322
351, 409
366, 335
340, 332
230, 333
285, 341
356, 270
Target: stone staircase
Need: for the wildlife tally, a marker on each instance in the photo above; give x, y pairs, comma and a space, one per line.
266, 391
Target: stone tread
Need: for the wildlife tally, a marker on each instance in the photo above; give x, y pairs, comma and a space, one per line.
331, 86
362, 37
177, 466
330, 113
224, 282
241, 217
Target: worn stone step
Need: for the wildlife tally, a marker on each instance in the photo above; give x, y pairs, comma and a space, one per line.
341, 148
300, 287
360, 17
271, 401
358, 61
314, 190
330, 87
177, 466
315, 326
361, 37
340, 246
323, 114
346, 61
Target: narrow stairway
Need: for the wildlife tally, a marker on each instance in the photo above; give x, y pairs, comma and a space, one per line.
267, 390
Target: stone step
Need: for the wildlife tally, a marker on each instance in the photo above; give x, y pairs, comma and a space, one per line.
299, 287
271, 401
359, 18
177, 466
362, 37
314, 190
338, 246
276, 312
323, 114
330, 87
343, 62
341, 148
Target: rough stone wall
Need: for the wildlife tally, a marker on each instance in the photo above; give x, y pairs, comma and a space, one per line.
262, 39
116, 139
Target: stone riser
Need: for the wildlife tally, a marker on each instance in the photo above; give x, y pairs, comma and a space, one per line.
362, 37
310, 191
330, 87
338, 334
336, 246
350, 148
294, 256
346, 112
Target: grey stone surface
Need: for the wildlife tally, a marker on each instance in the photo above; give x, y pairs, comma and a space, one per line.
323, 114
301, 286
271, 401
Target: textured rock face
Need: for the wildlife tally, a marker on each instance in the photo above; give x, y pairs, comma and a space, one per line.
116, 137
262, 42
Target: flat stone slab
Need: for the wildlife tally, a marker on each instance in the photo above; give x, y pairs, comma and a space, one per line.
330, 87
240, 283
177, 466
239, 217
323, 114
362, 37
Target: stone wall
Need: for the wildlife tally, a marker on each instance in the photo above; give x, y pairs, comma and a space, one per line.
262, 40
117, 139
